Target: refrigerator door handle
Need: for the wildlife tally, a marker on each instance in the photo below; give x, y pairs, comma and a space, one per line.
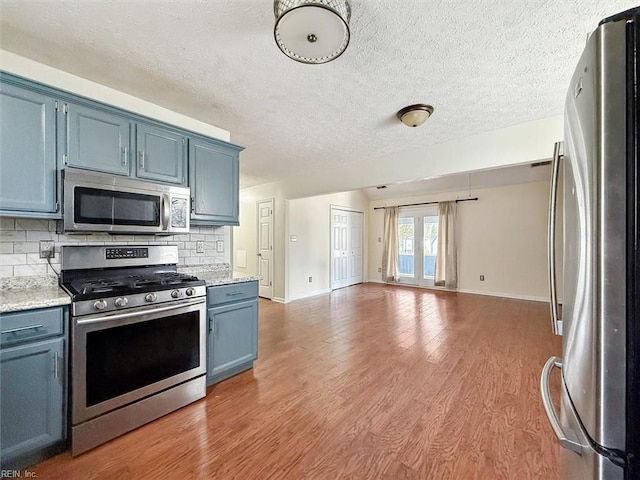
564, 440
556, 323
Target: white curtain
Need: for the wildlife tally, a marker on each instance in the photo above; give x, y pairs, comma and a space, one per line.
390, 245
447, 258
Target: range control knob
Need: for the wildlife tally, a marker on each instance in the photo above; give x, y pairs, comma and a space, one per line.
100, 305
190, 291
121, 301
176, 293
151, 297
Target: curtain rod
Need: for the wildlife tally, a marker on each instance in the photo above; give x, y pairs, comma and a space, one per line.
428, 203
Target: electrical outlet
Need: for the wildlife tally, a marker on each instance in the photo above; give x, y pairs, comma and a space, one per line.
199, 246
482, 278
219, 246
310, 279
47, 249
379, 270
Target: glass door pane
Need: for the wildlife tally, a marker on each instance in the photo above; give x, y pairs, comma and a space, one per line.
406, 245
430, 249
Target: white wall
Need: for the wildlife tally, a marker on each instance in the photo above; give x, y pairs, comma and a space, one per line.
39, 72
308, 219
245, 236
502, 236
310, 254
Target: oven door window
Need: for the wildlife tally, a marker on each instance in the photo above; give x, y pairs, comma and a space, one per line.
106, 207
123, 359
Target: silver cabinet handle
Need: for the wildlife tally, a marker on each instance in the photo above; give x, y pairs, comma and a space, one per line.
233, 294
551, 250
565, 441
141, 158
21, 329
125, 156
55, 364
212, 325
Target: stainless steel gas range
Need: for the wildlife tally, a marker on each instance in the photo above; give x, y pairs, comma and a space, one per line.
138, 338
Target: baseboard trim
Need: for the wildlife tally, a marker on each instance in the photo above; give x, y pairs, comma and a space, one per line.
514, 296
505, 295
279, 300
312, 294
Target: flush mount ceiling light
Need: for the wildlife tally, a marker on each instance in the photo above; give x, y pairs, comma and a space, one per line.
312, 31
415, 115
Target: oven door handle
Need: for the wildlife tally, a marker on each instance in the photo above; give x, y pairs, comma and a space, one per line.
120, 316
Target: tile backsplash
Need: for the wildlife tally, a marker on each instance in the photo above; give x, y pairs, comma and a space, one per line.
20, 244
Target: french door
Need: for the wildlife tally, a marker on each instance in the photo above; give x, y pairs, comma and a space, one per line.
418, 245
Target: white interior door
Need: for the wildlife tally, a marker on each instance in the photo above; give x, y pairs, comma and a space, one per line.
354, 254
265, 248
339, 248
346, 247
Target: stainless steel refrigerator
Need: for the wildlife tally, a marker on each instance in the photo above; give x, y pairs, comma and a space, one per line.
598, 425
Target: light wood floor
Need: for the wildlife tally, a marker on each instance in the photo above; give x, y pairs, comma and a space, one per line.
371, 382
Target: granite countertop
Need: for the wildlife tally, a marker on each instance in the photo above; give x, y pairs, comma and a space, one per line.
225, 278
217, 274
28, 293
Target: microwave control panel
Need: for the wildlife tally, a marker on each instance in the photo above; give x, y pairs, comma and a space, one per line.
114, 253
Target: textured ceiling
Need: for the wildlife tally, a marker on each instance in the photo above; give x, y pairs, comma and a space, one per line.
483, 64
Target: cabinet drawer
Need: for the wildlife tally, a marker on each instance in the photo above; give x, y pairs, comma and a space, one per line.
232, 293
30, 325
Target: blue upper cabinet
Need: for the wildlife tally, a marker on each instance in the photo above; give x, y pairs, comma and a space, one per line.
44, 129
161, 154
214, 182
112, 142
28, 175
98, 140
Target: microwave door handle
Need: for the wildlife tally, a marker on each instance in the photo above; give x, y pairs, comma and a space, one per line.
165, 211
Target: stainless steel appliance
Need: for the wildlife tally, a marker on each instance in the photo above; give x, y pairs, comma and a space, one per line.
98, 202
599, 421
138, 338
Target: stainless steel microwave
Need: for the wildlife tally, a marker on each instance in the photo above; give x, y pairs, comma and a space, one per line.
99, 202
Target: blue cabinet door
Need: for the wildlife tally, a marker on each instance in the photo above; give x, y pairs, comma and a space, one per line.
161, 154
31, 395
233, 339
27, 151
98, 140
214, 182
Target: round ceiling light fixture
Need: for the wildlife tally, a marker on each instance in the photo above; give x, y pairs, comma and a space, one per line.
312, 31
415, 115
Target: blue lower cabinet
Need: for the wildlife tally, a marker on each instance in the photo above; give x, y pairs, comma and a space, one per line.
232, 339
32, 397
